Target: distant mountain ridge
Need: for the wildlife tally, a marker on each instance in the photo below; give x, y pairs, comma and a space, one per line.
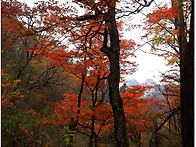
132, 82
149, 82
148, 93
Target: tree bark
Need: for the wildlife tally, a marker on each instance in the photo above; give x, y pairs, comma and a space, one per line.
113, 81
187, 81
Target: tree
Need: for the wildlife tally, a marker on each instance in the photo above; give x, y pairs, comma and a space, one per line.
91, 68
181, 47
105, 11
187, 78
105, 22
139, 111
64, 48
29, 81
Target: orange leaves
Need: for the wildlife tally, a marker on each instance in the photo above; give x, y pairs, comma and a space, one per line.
176, 32
70, 97
135, 106
33, 112
11, 30
65, 110
12, 27
157, 21
13, 8
68, 104
33, 49
163, 32
47, 49
163, 13
127, 51
103, 112
8, 83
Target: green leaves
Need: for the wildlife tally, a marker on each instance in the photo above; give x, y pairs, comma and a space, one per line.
44, 110
31, 68
3, 78
27, 75
10, 77
38, 119
90, 121
18, 64
68, 136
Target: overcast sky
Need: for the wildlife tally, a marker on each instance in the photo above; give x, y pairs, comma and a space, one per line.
150, 66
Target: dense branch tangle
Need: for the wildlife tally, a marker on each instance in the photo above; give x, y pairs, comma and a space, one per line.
93, 40
102, 15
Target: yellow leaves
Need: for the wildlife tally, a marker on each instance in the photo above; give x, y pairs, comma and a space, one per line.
155, 41
172, 61
161, 25
107, 26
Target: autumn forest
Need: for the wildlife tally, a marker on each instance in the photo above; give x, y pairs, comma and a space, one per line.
63, 74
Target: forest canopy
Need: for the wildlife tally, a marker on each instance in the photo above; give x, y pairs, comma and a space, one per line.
61, 74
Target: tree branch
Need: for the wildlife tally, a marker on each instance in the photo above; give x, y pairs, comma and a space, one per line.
167, 118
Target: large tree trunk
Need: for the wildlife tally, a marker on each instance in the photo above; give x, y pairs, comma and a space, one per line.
117, 103
113, 80
187, 82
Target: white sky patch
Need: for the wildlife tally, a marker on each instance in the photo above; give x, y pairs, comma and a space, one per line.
149, 66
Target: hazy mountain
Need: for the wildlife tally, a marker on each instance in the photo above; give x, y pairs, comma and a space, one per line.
132, 82
149, 82
148, 93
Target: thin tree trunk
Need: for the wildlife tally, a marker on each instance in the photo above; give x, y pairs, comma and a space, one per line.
92, 136
74, 122
92, 139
